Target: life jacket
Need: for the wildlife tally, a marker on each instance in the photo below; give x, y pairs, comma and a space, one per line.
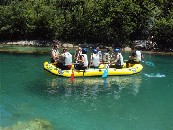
138, 56
106, 57
95, 60
55, 51
85, 60
120, 60
77, 55
67, 58
100, 56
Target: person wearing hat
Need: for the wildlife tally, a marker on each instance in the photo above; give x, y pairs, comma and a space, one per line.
82, 62
94, 59
118, 59
65, 60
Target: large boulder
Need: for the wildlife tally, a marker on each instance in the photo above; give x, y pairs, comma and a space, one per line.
67, 45
127, 49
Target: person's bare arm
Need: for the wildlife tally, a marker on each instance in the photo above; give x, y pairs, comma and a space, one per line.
116, 59
82, 60
54, 56
142, 56
90, 60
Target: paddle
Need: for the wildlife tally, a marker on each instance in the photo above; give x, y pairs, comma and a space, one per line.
105, 73
149, 63
105, 83
72, 75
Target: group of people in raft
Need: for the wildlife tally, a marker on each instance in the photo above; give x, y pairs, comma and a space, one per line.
113, 60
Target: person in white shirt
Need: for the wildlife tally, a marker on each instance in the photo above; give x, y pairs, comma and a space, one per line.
99, 53
82, 62
118, 59
94, 59
65, 60
135, 57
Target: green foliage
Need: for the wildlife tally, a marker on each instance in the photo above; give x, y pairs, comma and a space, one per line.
113, 22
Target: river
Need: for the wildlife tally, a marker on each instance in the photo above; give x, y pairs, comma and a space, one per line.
139, 102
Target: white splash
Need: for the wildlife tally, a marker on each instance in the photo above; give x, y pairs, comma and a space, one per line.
152, 75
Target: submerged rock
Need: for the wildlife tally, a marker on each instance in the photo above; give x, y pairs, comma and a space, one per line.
35, 124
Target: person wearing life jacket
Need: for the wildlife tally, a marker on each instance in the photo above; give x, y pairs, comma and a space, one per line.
135, 57
77, 54
107, 56
139, 56
82, 62
65, 60
99, 53
94, 59
54, 53
118, 59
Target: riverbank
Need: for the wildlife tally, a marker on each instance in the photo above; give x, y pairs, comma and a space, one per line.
44, 47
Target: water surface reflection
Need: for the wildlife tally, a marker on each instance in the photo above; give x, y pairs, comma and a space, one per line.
94, 86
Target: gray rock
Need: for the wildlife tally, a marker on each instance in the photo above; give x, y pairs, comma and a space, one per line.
127, 49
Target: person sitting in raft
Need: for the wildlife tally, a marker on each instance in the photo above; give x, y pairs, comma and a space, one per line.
99, 53
118, 60
94, 59
107, 56
77, 54
54, 53
82, 62
135, 57
65, 60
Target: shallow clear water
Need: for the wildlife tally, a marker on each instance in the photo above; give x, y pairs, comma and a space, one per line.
137, 102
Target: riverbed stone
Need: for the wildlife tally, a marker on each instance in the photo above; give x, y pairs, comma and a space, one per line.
35, 124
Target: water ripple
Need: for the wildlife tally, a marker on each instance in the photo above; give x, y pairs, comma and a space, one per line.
152, 75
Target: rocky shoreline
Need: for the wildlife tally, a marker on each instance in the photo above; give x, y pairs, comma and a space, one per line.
5, 47
37, 43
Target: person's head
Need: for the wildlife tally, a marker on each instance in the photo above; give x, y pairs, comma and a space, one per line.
84, 50
95, 51
79, 49
116, 50
97, 48
136, 48
108, 49
55, 46
64, 49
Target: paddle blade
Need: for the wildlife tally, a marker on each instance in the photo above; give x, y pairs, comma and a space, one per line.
72, 76
149, 63
105, 83
105, 73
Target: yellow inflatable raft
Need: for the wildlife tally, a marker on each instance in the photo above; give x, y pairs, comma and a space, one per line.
133, 69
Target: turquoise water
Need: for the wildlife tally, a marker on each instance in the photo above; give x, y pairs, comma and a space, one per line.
138, 102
